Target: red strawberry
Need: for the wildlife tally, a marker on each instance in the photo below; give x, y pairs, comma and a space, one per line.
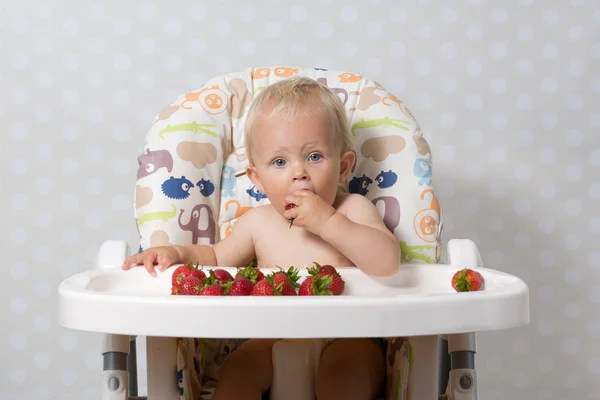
191, 286
212, 290
221, 275
337, 285
251, 272
289, 207
239, 287
319, 269
467, 280
183, 271
264, 288
316, 286
290, 276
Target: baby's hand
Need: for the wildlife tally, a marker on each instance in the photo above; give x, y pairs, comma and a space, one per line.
163, 256
311, 211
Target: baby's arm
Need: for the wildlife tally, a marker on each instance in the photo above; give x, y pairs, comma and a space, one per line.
363, 238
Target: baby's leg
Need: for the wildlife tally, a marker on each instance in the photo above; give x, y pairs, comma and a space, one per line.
351, 369
247, 372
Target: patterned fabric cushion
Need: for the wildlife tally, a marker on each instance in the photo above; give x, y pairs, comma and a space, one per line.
191, 184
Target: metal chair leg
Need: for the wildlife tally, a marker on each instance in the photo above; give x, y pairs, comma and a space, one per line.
444, 374
132, 368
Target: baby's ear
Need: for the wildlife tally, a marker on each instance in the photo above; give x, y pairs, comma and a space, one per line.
347, 161
254, 178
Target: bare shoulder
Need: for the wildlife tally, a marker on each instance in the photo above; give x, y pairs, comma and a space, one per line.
352, 203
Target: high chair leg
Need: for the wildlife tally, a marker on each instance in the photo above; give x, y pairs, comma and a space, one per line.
115, 379
161, 357
424, 368
462, 384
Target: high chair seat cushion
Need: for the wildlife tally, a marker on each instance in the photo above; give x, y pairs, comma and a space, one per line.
191, 184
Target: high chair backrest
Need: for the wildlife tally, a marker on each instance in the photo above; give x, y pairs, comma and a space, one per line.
191, 184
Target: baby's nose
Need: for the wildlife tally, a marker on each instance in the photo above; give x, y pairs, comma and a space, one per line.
300, 174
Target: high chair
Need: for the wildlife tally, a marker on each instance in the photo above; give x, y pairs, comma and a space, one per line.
191, 188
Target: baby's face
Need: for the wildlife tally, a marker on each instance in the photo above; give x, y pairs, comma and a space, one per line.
295, 154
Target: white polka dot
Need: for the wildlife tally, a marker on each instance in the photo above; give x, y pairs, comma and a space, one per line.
44, 79
17, 340
16, 376
145, 114
523, 172
298, 13
43, 185
594, 294
448, 50
449, 15
524, 138
121, 202
594, 259
550, 50
522, 240
18, 271
43, 45
524, 102
596, 17
546, 327
494, 363
19, 236
274, 29
548, 120
147, 11
499, 16
549, 85
548, 190
71, 26
498, 84
474, 101
69, 341
42, 254
42, 323
247, 12
497, 190
94, 220
423, 66
96, 45
95, 186
572, 276
122, 62
398, 15
525, 32
223, 28
70, 167
147, 45
576, 33
43, 113
71, 62
398, 49
44, 150
474, 32
573, 172
43, 219
571, 345
17, 305
576, 67
595, 120
348, 48
298, 47
173, 28
19, 166
498, 50
593, 365
448, 84
19, 60
525, 67
545, 364
173, 62
69, 236
42, 360
70, 201
550, 16
594, 225
546, 293
546, 224
70, 96
19, 201
122, 27
197, 11
423, 31
374, 66
521, 345
68, 376
520, 379
19, 26
474, 137
374, 30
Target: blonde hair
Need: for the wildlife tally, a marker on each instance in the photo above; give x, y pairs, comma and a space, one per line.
288, 97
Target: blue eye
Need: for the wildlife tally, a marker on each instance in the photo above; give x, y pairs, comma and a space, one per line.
315, 157
279, 162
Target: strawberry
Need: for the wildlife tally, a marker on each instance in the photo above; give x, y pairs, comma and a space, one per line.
191, 285
265, 288
239, 287
221, 275
212, 290
251, 272
337, 285
183, 271
467, 280
291, 277
289, 207
316, 286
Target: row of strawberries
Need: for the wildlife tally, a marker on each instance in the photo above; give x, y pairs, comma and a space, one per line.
323, 280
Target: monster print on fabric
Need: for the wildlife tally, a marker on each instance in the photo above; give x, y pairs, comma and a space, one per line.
228, 182
213, 100
422, 170
152, 161
337, 91
360, 185
391, 213
427, 220
193, 224
256, 194
349, 77
177, 188
386, 179
206, 187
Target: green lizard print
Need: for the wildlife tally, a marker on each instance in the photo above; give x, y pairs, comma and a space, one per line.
384, 122
193, 126
415, 252
153, 216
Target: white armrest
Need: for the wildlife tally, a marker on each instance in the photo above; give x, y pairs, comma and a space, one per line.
295, 366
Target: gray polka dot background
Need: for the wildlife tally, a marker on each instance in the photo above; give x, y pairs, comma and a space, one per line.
507, 94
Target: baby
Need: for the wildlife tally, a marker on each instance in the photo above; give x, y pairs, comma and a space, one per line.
299, 152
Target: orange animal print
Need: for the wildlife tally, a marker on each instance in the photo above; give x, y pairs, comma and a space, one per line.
427, 220
213, 100
399, 102
261, 73
285, 72
239, 211
349, 77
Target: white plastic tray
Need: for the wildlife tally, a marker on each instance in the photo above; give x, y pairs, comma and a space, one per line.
418, 300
